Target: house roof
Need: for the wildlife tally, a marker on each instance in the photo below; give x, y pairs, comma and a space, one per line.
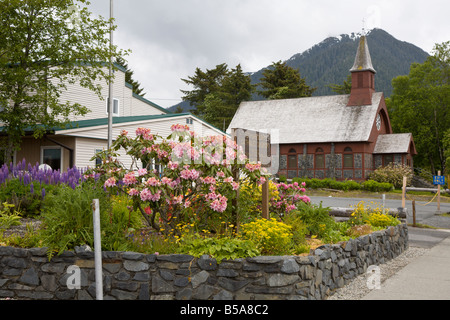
83, 124
393, 143
309, 120
116, 120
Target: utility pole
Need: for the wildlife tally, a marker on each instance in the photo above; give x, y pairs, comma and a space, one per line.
110, 94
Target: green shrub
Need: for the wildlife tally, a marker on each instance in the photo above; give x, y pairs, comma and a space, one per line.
219, 248
8, 216
67, 217
27, 198
392, 173
272, 237
329, 183
374, 186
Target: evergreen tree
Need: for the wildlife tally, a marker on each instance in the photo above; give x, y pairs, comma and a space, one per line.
344, 88
280, 81
129, 77
218, 93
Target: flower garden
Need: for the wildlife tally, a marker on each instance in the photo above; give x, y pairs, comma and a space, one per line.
183, 194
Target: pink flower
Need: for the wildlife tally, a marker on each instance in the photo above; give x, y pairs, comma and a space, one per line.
146, 195
189, 174
133, 192
148, 210
123, 132
129, 178
253, 166
220, 174
235, 185
261, 181
172, 165
219, 204
142, 172
228, 180
179, 128
208, 180
152, 181
111, 182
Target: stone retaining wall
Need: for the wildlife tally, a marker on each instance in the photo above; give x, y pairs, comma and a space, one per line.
27, 273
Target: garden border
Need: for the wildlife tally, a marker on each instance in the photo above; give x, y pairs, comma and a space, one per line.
28, 274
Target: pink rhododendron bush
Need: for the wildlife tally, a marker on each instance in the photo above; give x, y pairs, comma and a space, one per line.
179, 178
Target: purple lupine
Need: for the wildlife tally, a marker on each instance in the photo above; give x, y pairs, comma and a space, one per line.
31, 188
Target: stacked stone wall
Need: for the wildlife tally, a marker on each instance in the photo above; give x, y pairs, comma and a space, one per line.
28, 274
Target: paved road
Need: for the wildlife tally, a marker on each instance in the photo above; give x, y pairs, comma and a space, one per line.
424, 213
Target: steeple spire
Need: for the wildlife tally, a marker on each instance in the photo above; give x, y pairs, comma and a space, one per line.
362, 60
363, 76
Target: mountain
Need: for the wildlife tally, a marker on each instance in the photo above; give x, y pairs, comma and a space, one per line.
329, 62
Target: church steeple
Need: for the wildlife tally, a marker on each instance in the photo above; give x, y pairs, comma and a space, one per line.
363, 76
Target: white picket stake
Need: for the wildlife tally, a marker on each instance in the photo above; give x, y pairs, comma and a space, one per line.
98, 252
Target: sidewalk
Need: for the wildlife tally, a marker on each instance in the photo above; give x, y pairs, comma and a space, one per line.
426, 278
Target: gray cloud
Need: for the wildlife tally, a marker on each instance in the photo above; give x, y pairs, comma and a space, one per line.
170, 38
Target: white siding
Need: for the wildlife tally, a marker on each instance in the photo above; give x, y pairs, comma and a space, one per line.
128, 105
86, 149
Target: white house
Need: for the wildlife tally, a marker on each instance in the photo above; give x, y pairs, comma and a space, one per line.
78, 143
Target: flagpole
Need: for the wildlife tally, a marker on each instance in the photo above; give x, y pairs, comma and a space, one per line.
110, 94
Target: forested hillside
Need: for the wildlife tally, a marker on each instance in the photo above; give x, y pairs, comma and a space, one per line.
329, 62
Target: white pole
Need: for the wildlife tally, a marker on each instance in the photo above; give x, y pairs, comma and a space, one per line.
110, 94
98, 252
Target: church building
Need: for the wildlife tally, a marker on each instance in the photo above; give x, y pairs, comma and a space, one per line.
342, 136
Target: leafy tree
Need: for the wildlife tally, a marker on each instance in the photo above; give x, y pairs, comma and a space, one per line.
47, 44
420, 104
344, 88
218, 93
447, 150
129, 77
283, 82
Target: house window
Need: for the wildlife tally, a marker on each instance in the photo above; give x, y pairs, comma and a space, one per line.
389, 158
98, 160
52, 156
348, 158
292, 159
116, 106
320, 160
189, 121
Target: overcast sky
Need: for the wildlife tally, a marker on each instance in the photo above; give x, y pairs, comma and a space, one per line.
169, 39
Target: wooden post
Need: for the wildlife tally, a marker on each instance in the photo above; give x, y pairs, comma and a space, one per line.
265, 199
439, 195
414, 212
404, 193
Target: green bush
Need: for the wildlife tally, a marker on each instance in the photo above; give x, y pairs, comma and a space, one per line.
67, 218
328, 183
392, 173
26, 198
219, 248
374, 186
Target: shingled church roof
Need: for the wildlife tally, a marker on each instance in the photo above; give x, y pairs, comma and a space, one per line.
309, 120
